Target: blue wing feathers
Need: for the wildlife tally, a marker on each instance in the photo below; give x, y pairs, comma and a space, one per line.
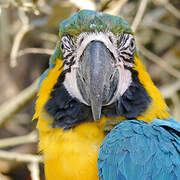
43, 76
135, 150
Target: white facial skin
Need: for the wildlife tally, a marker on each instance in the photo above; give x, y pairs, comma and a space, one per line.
121, 46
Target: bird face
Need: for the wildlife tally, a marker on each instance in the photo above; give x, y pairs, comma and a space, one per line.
99, 66
96, 72
100, 76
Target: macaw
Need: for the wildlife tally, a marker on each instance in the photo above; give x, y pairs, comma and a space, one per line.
96, 81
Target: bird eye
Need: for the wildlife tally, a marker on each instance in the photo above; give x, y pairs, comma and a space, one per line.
62, 46
132, 45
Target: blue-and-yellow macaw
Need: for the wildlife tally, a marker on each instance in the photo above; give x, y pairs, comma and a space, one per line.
95, 81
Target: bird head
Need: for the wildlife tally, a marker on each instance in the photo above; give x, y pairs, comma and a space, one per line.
102, 75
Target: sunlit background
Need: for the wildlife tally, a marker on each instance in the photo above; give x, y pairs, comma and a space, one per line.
28, 35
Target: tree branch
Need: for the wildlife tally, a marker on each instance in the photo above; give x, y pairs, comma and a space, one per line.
115, 7
9, 108
35, 51
34, 170
162, 27
19, 140
139, 15
169, 90
19, 157
81, 4
156, 59
19, 37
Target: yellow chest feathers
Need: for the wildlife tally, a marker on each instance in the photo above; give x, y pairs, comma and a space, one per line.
71, 155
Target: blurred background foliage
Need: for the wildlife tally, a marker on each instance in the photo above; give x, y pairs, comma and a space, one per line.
28, 35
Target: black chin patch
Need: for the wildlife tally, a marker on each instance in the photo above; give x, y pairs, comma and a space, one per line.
135, 100
68, 111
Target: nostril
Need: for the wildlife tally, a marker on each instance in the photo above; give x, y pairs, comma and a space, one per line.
84, 79
110, 78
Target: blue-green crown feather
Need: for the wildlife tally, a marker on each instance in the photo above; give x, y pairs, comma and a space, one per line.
91, 21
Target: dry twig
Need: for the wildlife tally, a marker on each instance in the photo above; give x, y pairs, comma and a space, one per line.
34, 170
115, 7
44, 7
156, 59
161, 27
167, 5
169, 90
35, 51
9, 108
139, 15
19, 140
18, 38
19, 157
4, 5
176, 102
81, 4
48, 37
172, 10
3, 177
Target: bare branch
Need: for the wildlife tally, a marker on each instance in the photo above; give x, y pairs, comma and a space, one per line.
18, 38
19, 157
4, 5
169, 90
105, 5
19, 140
9, 108
35, 51
34, 170
25, 6
156, 59
3, 177
44, 7
167, 5
172, 10
48, 37
81, 4
162, 27
139, 15
115, 7
176, 102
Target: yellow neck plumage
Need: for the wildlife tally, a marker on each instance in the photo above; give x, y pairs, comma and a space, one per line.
157, 107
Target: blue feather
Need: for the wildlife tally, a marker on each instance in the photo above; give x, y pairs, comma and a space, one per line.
135, 150
43, 76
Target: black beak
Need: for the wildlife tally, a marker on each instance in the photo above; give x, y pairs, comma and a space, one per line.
97, 76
